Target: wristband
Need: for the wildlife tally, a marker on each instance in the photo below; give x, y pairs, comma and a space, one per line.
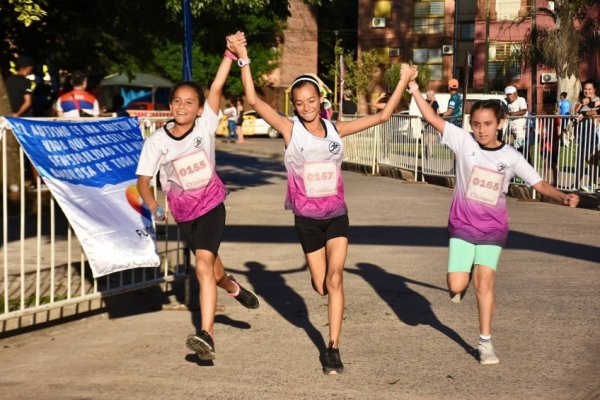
242, 62
230, 55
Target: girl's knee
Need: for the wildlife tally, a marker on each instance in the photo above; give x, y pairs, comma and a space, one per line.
334, 281
320, 289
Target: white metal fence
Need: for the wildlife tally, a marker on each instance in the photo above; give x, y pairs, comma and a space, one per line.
564, 151
43, 265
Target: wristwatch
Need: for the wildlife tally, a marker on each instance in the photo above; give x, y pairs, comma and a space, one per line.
243, 62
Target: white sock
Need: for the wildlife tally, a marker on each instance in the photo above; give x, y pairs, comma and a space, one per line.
485, 338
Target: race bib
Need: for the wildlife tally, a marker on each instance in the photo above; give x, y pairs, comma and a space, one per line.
193, 170
485, 186
320, 179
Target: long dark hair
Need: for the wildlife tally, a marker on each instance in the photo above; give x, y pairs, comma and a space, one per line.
492, 105
192, 85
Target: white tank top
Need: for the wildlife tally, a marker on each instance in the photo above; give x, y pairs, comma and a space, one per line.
314, 164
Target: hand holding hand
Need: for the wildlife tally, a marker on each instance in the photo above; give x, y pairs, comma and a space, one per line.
236, 43
408, 72
412, 86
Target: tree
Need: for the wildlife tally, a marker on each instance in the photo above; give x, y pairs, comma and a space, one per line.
564, 46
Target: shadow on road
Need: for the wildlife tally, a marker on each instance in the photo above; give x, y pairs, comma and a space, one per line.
271, 286
411, 307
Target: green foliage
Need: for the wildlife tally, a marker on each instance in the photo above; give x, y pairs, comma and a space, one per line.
27, 11
197, 7
563, 46
144, 36
392, 76
205, 64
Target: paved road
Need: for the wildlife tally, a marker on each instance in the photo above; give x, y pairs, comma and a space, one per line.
402, 337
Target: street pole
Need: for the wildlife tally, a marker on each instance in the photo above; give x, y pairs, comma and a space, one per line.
486, 77
534, 62
335, 85
455, 42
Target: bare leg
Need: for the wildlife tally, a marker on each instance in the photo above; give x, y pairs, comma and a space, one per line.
317, 265
221, 277
337, 249
483, 281
457, 281
205, 272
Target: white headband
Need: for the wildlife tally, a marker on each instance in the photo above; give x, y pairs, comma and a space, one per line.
307, 79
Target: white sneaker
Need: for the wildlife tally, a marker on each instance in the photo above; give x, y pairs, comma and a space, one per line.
486, 353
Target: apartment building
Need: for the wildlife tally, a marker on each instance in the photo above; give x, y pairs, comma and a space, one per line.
446, 35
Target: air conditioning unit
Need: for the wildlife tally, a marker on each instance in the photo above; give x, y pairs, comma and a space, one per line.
548, 77
395, 52
447, 49
378, 23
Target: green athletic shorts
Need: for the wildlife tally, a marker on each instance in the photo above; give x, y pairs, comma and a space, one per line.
462, 255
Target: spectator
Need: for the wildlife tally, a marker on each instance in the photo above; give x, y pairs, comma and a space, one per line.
564, 105
78, 102
455, 104
118, 109
586, 138
19, 88
517, 106
432, 101
231, 113
239, 105
326, 107
348, 105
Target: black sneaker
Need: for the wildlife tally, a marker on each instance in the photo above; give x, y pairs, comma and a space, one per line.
202, 344
332, 364
246, 298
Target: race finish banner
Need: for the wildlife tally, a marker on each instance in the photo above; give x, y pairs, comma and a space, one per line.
90, 169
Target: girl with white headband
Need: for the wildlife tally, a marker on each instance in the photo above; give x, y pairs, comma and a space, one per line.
315, 194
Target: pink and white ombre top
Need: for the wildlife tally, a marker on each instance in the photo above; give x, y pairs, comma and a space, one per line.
478, 213
187, 167
314, 169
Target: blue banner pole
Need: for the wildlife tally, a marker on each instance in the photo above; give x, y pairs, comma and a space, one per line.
187, 41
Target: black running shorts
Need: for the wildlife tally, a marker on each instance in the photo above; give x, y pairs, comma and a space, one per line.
314, 233
206, 231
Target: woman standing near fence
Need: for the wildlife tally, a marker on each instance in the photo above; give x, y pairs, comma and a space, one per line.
478, 221
184, 149
313, 158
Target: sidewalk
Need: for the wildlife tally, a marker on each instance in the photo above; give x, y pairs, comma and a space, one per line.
402, 337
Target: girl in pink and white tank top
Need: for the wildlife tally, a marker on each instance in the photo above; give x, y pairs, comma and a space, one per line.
314, 166
315, 194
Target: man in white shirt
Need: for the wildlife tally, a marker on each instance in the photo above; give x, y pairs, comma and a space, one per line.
517, 126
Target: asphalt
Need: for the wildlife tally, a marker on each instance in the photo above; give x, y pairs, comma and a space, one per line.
402, 336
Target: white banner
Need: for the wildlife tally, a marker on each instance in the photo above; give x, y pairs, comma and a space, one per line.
90, 169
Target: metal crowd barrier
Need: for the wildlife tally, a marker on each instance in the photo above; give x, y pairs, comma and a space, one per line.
563, 150
44, 271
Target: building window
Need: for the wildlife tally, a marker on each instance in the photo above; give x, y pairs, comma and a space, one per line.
507, 10
428, 17
467, 31
503, 64
430, 59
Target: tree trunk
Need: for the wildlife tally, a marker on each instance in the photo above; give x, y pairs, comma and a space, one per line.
363, 105
572, 85
12, 146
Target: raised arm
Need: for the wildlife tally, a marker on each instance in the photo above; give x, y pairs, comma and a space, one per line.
280, 122
407, 74
428, 113
216, 87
